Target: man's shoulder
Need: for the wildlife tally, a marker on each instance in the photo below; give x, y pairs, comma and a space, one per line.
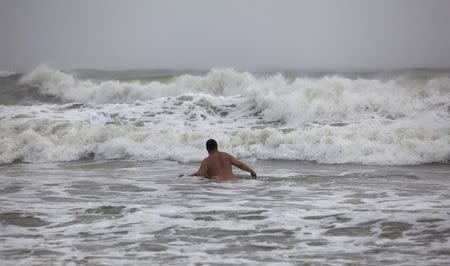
225, 154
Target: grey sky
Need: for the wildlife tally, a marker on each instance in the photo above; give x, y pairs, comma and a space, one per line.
277, 34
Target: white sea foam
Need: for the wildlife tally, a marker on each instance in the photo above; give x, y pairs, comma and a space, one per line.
332, 98
331, 119
372, 143
6, 73
96, 212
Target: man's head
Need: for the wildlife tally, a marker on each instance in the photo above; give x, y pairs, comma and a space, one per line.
211, 145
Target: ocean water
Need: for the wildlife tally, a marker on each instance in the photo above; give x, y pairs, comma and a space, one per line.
353, 168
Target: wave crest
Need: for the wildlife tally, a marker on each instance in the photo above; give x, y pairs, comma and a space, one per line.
299, 100
43, 141
329, 119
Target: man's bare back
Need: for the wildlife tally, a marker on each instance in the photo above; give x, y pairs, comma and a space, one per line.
219, 164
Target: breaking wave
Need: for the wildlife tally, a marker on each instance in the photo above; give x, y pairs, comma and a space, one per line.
404, 119
6, 73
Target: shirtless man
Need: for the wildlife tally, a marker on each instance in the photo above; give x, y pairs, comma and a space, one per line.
218, 164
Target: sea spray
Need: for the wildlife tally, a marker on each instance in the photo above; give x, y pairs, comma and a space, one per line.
404, 119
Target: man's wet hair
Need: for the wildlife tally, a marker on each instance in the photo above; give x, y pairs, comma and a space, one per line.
211, 145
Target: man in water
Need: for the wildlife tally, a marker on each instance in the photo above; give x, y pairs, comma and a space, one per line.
218, 164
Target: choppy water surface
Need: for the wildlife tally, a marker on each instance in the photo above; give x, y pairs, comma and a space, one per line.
128, 213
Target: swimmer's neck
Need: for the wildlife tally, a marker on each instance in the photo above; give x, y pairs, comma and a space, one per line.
213, 152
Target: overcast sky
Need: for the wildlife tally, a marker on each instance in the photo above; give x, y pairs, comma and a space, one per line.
277, 34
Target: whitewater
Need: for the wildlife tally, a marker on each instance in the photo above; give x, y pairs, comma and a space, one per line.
49, 115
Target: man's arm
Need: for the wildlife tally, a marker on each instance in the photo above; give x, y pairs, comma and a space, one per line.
241, 165
202, 171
